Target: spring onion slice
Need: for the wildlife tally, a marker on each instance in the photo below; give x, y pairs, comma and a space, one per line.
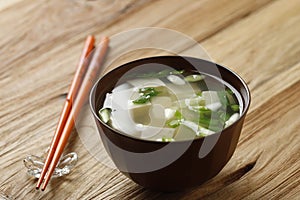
194, 78
105, 114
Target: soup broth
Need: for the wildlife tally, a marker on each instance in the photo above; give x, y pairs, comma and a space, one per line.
171, 105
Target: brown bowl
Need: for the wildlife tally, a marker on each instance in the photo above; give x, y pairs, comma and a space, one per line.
169, 166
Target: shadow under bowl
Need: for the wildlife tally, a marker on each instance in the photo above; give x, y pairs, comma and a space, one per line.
169, 166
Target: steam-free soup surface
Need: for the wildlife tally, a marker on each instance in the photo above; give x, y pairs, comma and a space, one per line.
171, 105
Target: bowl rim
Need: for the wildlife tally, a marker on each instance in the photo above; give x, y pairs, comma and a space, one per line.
97, 82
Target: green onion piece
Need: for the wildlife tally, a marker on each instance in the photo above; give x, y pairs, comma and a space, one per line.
142, 100
164, 139
211, 125
148, 91
223, 98
229, 91
173, 123
176, 121
163, 73
214, 121
207, 121
194, 78
204, 112
176, 72
160, 74
230, 98
178, 115
204, 122
201, 135
105, 114
199, 93
224, 116
235, 107
145, 95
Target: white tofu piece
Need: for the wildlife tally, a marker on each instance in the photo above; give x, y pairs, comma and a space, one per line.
193, 126
232, 119
122, 111
205, 131
121, 98
157, 116
155, 133
176, 80
184, 133
121, 120
163, 101
169, 113
210, 97
214, 106
195, 101
124, 86
181, 91
197, 129
108, 101
140, 112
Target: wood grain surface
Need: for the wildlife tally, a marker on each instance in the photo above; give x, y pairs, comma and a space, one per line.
40, 45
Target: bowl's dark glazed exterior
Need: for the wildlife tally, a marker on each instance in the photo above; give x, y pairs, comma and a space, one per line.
135, 158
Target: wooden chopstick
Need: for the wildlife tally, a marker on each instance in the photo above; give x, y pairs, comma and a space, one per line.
82, 94
77, 80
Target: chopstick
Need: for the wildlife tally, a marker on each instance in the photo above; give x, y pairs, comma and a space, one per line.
78, 77
76, 105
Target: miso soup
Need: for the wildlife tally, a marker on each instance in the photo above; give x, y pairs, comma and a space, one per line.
171, 105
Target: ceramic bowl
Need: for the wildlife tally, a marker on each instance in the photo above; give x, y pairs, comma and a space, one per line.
169, 166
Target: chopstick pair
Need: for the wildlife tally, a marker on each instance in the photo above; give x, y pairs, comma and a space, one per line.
82, 82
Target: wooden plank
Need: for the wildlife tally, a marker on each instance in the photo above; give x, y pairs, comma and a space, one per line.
279, 145
38, 61
264, 53
4, 4
262, 94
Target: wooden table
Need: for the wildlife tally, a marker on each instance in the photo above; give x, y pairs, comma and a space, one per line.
40, 44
